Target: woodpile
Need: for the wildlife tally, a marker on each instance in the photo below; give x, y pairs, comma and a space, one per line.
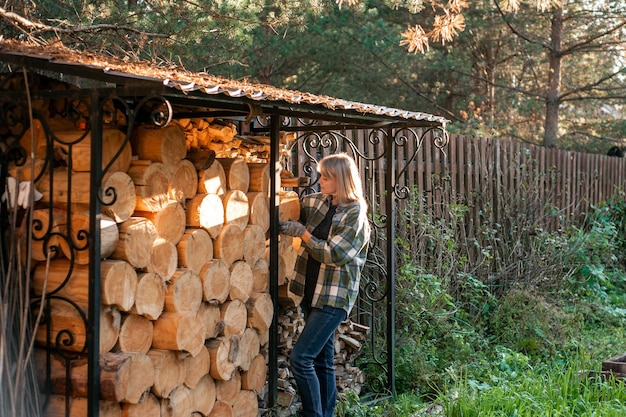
186, 310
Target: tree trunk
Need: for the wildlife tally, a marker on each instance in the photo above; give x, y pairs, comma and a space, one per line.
553, 99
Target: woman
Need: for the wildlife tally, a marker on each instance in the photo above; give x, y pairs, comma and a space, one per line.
335, 235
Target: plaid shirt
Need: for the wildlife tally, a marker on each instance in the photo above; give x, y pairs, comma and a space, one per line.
342, 255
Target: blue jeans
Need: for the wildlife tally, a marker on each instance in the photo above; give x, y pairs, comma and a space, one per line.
312, 361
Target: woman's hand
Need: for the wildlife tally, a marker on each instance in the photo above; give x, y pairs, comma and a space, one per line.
291, 228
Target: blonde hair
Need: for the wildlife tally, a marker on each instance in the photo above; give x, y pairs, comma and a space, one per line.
342, 168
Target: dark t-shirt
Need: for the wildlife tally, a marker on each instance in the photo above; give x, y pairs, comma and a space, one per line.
313, 266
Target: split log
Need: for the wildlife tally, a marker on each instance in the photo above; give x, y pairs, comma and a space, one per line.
151, 181
166, 144
48, 225
254, 378
286, 298
150, 295
67, 327
148, 405
119, 197
227, 390
179, 332
78, 231
234, 315
206, 211
261, 276
169, 371
178, 403
287, 257
196, 367
211, 317
254, 244
212, 180
246, 404
113, 141
136, 237
259, 210
194, 249
118, 282
260, 311
228, 245
289, 205
203, 395
240, 281
260, 178
124, 377
237, 173
163, 259
249, 347
136, 333
221, 409
222, 367
236, 208
215, 277
169, 222
78, 407
201, 158
183, 181
184, 292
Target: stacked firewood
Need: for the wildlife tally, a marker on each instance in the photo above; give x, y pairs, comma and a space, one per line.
185, 314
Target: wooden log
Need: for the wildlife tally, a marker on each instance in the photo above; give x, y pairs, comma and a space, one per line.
166, 144
152, 182
221, 409
136, 238
259, 214
212, 180
206, 211
184, 292
201, 158
261, 276
61, 187
163, 259
254, 244
222, 367
254, 378
48, 225
78, 231
178, 403
240, 281
227, 390
169, 222
246, 404
196, 367
286, 298
147, 406
194, 249
150, 295
249, 347
119, 197
131, 374
287, 257
118, 279
66, 325
181, 331
211, 317
183, 181
234, 315
228, 245
203, 395
288, 206
215, 278
79, 153
260, 311
236, 209
78, 407
169, 371
136, 333
237, 173
260, 178
123, 376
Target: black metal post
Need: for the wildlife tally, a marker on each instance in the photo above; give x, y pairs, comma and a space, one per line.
93, 322
273, 340
390, 185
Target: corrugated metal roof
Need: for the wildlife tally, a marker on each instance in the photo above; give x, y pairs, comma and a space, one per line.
187, 81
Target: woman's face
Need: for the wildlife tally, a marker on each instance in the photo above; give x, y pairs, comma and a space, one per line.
328, 185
